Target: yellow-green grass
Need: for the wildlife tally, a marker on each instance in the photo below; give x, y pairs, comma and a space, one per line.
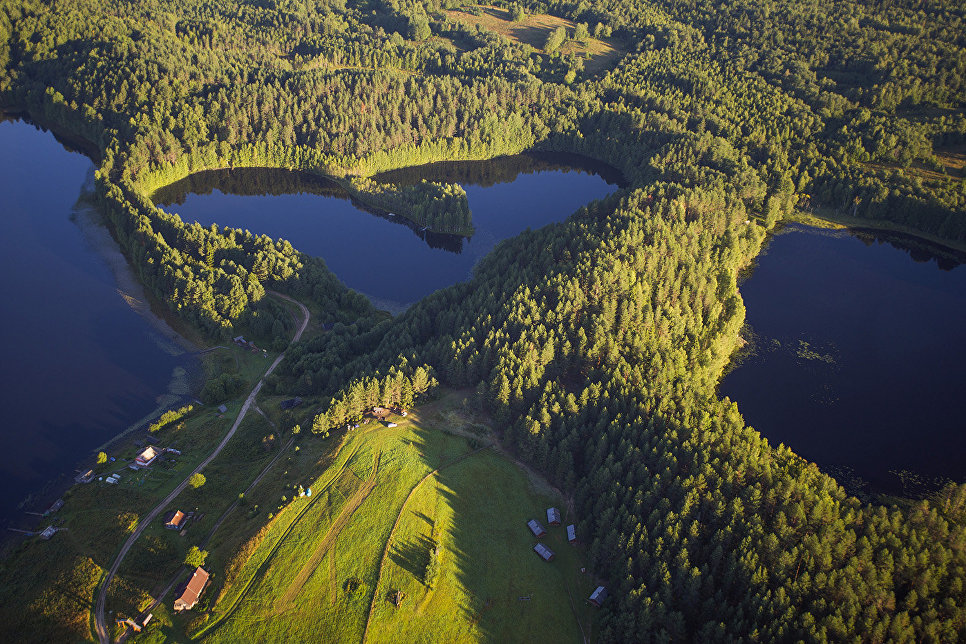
369, 522
534, 29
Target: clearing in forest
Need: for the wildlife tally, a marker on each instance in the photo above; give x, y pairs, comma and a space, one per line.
414, 533
534, 29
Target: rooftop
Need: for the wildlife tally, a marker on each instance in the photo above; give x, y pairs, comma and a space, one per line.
193, 591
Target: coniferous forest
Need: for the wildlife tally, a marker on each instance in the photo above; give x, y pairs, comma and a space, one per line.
596, 343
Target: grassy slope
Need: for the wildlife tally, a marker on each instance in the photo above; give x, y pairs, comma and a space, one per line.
380, 483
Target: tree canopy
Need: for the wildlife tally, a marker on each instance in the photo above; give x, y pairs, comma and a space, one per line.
595, 343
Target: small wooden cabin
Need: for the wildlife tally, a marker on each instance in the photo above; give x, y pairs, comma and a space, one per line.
598, 596
545, 553
536, 528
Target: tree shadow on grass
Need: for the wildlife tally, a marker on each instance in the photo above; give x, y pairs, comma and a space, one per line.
413, 555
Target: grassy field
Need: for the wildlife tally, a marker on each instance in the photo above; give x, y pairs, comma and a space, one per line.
354, 555
534, 29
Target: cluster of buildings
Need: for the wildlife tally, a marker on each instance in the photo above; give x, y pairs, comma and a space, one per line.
545, 553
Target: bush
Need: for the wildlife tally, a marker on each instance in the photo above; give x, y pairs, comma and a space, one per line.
197, 480
195, 557
225, 386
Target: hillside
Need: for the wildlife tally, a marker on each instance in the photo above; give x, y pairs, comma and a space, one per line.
595, 344
390, 498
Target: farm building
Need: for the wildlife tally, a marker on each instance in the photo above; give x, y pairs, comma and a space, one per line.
545, 553
598, 596
146, 457
572, 533
536, 528
291, 403
176, 521
193, 590
553, 516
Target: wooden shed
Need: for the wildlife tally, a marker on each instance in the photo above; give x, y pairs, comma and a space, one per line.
545, 553
291, 403
536, 528
598, 596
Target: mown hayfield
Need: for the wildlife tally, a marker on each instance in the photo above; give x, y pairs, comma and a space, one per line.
353, 562
533, 30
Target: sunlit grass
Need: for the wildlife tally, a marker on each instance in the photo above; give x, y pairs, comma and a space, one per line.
323, 564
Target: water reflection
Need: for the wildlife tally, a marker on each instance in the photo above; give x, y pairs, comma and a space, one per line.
81, 364
399, 264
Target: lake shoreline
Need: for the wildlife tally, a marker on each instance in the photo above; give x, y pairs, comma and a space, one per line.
812, 295
182, 387
831, 221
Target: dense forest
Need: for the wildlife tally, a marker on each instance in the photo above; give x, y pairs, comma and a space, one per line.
596, 343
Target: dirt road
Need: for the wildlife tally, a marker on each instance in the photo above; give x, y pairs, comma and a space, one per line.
145, 521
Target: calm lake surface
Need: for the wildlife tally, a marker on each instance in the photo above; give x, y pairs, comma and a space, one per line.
387, 260
79, 364
859, 359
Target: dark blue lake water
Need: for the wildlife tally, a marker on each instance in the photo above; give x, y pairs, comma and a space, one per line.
859, 359
858, 362
79, 363
387, 260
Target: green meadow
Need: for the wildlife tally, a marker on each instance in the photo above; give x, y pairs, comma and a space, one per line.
412, 533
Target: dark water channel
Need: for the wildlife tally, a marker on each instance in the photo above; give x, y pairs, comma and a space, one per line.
859, 359
384, 258
80, 363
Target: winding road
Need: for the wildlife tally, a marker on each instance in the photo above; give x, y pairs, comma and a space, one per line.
99, 625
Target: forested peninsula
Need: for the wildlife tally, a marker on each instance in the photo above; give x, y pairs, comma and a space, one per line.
595, 344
